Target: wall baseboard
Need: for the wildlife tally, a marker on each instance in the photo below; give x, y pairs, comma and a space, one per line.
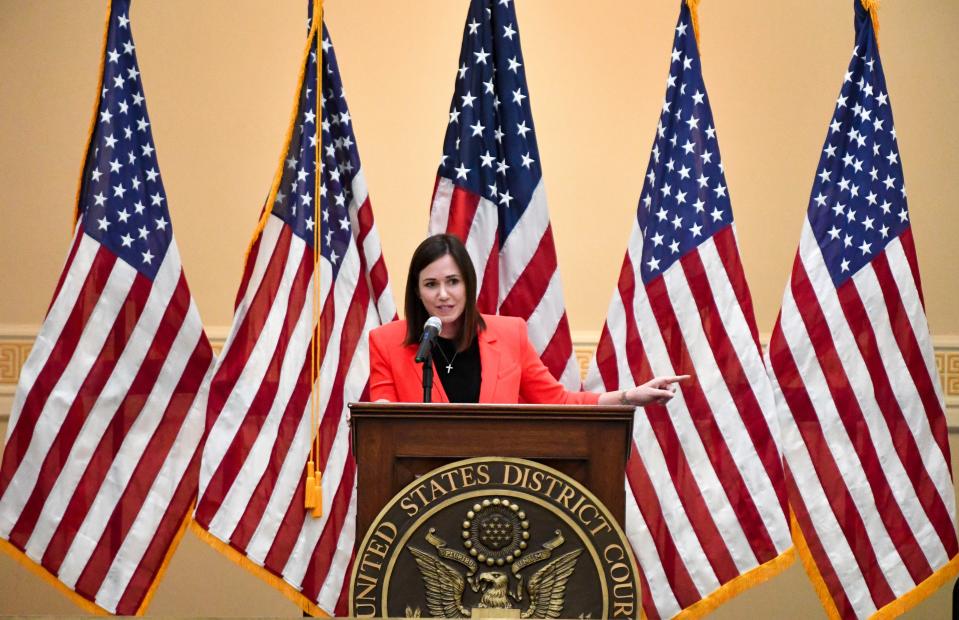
17, 340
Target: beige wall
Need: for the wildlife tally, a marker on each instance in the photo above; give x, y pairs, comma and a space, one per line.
220, 77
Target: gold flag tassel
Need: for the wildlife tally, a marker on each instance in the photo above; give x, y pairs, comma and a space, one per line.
873, 7
309, 502
694, 17
313, 499
318, 492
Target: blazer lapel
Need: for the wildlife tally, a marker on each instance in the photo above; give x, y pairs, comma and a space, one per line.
414, 377
490, 354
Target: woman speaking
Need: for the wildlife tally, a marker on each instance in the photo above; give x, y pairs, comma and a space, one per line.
478, 358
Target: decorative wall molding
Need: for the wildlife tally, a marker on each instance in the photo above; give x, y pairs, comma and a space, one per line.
13, 353
947, 363
16, 341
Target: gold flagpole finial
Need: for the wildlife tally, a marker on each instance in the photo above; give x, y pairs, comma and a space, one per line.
873, 7
694, 16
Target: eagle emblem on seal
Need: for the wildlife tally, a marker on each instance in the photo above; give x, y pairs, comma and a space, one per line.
495, 535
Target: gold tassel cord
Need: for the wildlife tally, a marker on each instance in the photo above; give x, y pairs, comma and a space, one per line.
873, 7
310, 499
314, 475
694, 17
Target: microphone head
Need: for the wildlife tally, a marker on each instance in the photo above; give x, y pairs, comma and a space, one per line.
433, 322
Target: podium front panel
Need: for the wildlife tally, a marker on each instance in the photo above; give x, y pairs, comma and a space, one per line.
394, 443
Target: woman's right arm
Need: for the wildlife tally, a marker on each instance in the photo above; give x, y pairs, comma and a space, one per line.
382, 386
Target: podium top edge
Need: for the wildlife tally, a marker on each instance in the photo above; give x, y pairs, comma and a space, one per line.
597, 412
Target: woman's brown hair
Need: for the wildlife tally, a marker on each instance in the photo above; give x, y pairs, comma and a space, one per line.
432, 249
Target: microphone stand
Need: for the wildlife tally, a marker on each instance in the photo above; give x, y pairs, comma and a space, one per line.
428, 377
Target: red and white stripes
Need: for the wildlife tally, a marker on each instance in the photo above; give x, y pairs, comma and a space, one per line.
705, 490
253, 474
101, 459
864, 433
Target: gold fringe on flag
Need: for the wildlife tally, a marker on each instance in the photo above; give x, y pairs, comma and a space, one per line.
284, 587
278, 176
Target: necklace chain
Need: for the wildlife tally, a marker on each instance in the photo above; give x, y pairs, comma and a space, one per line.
449, 360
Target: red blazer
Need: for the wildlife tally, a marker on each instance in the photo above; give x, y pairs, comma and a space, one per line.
511, 369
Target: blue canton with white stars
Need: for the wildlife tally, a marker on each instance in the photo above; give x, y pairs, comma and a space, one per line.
294, 201
122, 200
490, 146
858, 202
684, 200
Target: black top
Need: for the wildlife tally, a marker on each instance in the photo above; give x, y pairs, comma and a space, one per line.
460, 373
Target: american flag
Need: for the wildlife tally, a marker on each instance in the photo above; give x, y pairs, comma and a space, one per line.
706, 501
489, 189
102, 454
254, 462
864, 434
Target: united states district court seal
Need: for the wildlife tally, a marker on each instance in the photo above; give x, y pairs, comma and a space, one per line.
495, 537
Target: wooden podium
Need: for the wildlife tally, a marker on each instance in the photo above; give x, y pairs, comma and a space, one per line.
395, 442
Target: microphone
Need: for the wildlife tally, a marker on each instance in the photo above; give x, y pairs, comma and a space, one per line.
430, 331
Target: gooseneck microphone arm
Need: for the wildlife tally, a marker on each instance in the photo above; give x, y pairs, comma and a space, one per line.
424, 354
